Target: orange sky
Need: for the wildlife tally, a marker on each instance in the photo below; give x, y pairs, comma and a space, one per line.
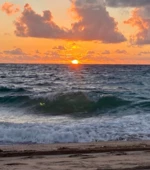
96, 32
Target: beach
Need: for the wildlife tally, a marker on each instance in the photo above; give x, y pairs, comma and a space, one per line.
93, 156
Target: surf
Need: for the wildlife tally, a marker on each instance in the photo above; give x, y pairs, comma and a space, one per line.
65, 103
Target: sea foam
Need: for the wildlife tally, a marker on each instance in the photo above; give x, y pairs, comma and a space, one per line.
89, 130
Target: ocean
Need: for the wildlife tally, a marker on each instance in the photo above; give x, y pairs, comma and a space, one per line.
74, 103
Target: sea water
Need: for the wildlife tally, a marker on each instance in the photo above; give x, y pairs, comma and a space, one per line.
74, 103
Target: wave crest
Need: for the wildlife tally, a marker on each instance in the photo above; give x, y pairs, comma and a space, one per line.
68, 103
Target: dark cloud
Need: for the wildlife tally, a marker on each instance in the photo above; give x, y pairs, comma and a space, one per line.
31, 24
93, 22
127, 3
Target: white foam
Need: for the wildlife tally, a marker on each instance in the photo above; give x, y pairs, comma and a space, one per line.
88, 130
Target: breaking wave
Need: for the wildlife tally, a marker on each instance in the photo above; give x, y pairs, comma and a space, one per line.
68, 103
89, 130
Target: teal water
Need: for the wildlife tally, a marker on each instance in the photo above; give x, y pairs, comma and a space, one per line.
64, 103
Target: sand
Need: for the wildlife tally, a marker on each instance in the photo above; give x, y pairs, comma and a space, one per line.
91, 156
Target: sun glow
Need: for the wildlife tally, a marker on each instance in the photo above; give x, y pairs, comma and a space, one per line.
75, 62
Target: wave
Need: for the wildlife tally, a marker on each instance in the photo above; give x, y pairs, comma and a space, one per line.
8, 89
68, 103
89, 130
143, 104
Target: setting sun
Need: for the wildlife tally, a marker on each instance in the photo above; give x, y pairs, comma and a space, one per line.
75, 62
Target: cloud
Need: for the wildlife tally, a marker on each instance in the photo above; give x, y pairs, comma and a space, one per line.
60, 47
93, 22
47, 53
144, 53
90, 52
20, 59
121, 51
52, 56
37, 52
18, 56
127, 3
10, 8
141, 20
16, 51
31, 24
106, 52
27, 58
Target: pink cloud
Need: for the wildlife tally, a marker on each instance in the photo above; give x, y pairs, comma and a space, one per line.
141, 20
10, 8
31, 24
93, 22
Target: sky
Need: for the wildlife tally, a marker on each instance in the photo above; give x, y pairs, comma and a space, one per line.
90, 31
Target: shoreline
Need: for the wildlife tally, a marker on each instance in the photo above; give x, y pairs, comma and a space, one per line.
69, 148
99, 155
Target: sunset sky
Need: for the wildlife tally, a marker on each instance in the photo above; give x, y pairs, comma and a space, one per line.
59, 31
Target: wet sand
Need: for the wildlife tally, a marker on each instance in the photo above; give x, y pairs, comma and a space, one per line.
92, 156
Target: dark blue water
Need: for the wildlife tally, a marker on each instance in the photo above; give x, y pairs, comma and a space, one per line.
64, 103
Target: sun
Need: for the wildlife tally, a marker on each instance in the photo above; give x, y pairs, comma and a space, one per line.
75, 62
